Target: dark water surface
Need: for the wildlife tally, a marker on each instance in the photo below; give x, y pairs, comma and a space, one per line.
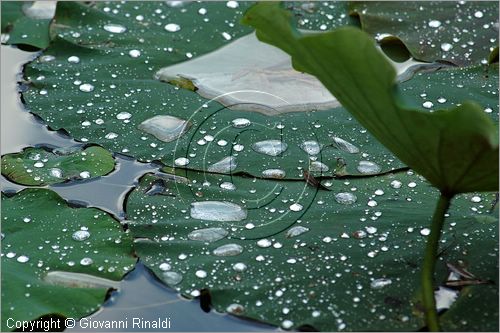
141, 295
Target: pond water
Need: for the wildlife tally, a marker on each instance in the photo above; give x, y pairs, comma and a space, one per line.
140, 295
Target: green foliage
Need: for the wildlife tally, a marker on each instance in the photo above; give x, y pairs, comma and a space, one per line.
37, 240
37, 166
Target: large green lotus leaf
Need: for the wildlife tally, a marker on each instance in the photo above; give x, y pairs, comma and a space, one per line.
328, 276
125, 93
463, 33
455, 149
25, 23
38, 166
58, 260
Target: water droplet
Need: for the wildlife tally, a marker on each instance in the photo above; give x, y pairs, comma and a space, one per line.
39, 165
226, 36
311, 147
172, 278
208, 234
115, 28
238, 147
27, 219
241, 123
274, 173
47, 58
316, 166
202, 11
296, 207
86, 262
86, 87
380, 283
239, 267
228, 186
425, 231
228, 250
217, 211
201, 274
84, 174
222, 143
10, 255
476, 199
227, 164
23, 259
123, 116
441, 100
287, 324
428, 104
345, 198
396, 184
165, 128
56, 172
235, 309
181, 161
296, 231
342, 144
446, 47
372, 203
165, 267
270, 147
264, 243
367, 167
371, 230
74, 59
412, 184
81, 235
111, 136
134, 53
232, 4
478, 14
172, 27
434, 24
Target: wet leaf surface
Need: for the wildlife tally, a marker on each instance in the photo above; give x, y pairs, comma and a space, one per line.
57, 259
291, 254
463, 33
39, 166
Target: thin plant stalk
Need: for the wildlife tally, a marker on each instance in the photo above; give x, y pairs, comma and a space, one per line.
430, 257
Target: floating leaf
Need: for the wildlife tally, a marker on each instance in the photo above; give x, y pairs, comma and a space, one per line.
297, 256
38, 166
58, 260
463, 33
25, 23
455, 149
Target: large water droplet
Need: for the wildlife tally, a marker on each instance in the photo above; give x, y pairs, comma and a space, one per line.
311, 147
165, 266
208, 234
342, 144
345, 198
228, 250
227, 164
296, 207
81, 235
181, 161
217, 211
201, 274
264, 243
316, 166
134, 53
367, 167
270, 147
380, 283
86, 262
274, 173
56, 172
165, 128
232, 4
172, 27
74, 60
434, 24
295, 231
172, 278
241, 122
227, 186
115, 28
23, 259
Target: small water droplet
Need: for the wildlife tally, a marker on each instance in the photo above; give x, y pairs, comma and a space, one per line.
165, 267
287, 324
165, 128
84, 174
123, 116
172, 278
296, 207
396, 184
428, 104
342, 144
228, 186
264, 243
227, 164
181, 161
476, 199
380, 283
425, 232
235, 309
446, 47
434, 24
311, 147
478, 14
208, 234
74, 59
39, 165
201, 274
134, 53
86, 262
56, 172
232, 4
239, 267
274, 173
316, 166
23, 259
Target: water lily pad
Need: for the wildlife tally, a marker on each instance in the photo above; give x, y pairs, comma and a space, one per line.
463, 33
103, 64
299, 257
57, 259
27, 23
39, 166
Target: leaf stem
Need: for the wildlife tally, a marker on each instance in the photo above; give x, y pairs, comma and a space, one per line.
431, 316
